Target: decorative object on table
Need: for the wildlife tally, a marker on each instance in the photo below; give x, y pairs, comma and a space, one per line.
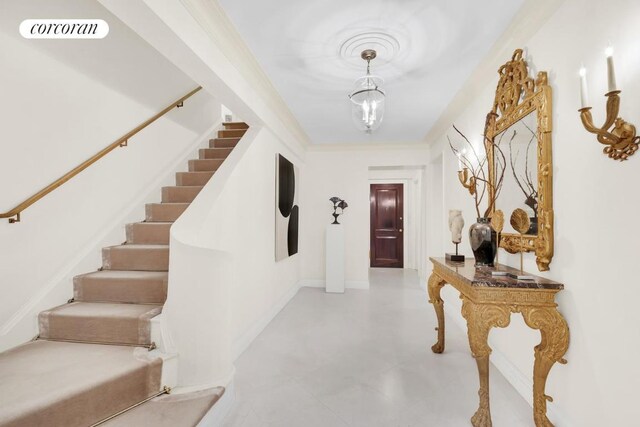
338, 203
520, 222
367, 97
483, 242
523, 104
473, 173
621, 140
287, 211
497, 223
456, 223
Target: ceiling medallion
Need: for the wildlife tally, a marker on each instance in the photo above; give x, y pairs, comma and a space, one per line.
386, 45
367, 97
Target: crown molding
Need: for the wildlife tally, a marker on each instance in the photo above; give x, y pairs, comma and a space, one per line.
528, 20
215, 22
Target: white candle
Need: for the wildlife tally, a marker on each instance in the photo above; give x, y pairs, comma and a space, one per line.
459, 163
611, 74
584, 93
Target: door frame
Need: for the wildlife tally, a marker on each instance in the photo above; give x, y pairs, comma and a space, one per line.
371, 233
412, 178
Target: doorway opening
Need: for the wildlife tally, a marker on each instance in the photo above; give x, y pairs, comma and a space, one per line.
386, 222
411, 179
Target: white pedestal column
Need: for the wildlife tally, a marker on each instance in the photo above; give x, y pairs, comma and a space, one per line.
335, 258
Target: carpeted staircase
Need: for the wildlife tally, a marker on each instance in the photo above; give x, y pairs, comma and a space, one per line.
89, 361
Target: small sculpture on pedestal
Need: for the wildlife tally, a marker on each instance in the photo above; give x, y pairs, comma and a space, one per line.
456, 223
337, 203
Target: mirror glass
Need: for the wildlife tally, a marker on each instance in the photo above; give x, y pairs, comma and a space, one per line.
519, 144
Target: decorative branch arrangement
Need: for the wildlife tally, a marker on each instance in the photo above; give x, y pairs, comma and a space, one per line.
526, 182
474, 175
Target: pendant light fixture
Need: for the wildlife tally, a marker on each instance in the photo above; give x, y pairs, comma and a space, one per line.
367, 98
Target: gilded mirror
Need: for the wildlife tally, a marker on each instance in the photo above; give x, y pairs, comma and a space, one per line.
520, 124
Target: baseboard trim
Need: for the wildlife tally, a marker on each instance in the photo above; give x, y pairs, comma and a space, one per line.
348, 284
242, 343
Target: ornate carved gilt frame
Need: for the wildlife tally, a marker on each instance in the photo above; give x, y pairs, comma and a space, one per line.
518, 95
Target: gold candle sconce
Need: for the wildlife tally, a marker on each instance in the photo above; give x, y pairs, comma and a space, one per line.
618, 136
468, 182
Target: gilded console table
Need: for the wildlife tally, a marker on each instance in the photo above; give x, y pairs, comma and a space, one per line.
488, 302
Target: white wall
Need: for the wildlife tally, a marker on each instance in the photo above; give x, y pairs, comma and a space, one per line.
595, 242
65, 101
243, 223
345, 173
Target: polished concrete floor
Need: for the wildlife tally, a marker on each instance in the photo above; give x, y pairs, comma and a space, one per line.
363, 358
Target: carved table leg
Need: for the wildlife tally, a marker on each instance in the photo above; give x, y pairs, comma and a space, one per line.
434, 285
553, 345
480, 319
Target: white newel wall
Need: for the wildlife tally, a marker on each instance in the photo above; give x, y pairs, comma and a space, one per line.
65, 101
223, 264
595, 239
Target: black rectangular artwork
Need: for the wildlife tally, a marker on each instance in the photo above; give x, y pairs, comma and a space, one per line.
287, 210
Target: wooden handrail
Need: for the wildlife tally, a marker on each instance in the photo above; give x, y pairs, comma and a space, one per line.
14, 214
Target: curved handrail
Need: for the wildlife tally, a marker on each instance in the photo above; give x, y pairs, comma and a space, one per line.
14, 214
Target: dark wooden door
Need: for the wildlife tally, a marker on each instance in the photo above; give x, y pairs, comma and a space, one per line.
386, 225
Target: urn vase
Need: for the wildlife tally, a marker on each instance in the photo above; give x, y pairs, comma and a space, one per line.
483, 241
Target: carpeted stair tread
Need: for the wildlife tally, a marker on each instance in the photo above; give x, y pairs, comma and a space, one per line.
99, 322
56, 384
231, 133
214, 153
193, 178
235, 125
156, 233
136, 257
160, 212
204, 165
170, 410
140, 287
223, 142
180, 193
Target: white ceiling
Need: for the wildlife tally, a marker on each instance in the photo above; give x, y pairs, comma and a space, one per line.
426, 50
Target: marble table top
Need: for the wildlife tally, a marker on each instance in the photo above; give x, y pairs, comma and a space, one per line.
481, 276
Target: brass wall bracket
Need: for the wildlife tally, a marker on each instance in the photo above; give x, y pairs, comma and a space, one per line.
15, 219
467, 182
621, 140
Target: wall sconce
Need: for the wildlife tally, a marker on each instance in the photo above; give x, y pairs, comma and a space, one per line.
620, 141
468, 182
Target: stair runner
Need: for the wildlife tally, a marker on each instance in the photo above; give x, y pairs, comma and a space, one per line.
68, 376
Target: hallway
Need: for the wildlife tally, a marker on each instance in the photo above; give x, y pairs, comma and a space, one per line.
363, 359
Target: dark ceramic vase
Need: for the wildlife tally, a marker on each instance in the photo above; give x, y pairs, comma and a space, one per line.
533, 228
483, 242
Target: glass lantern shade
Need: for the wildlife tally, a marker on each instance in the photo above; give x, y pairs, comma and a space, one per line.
367, 103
